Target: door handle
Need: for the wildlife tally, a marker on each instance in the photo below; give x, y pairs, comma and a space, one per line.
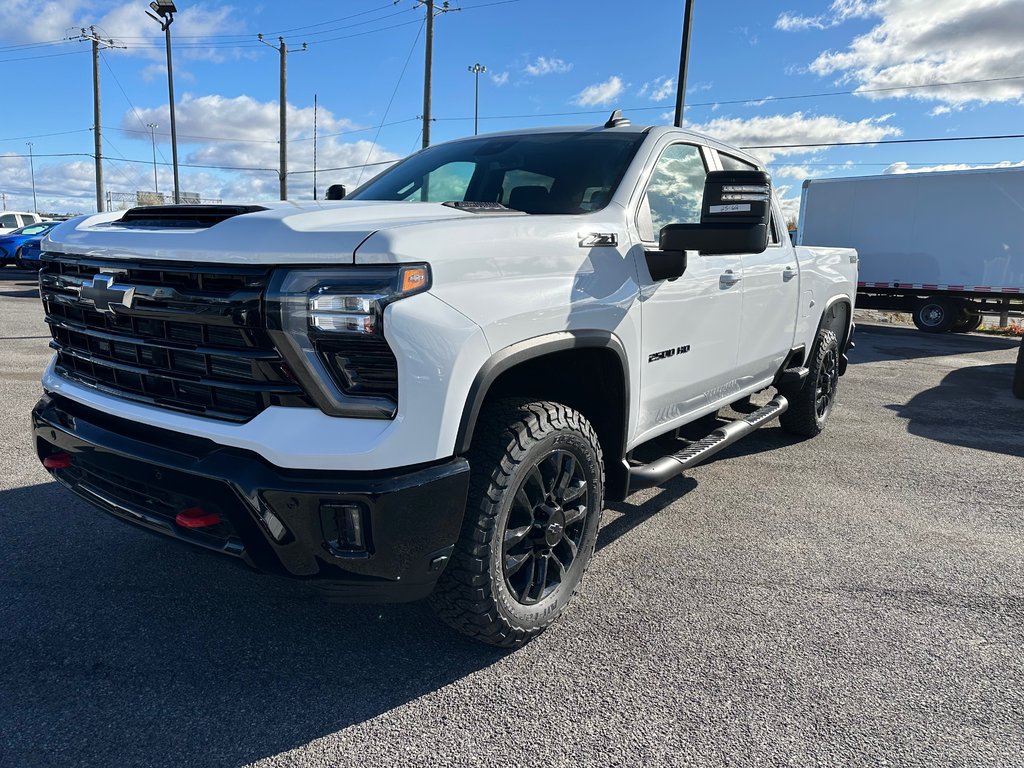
788, 274
728, 279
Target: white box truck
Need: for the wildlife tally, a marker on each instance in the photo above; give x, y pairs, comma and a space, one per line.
947, 247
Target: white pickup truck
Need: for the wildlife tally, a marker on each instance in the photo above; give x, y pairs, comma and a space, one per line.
432, 386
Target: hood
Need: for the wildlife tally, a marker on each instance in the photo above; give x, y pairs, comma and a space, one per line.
284, 233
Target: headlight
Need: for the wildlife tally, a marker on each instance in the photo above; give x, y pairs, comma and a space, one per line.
328, 325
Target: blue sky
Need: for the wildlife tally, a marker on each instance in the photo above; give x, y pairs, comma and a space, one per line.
548, 62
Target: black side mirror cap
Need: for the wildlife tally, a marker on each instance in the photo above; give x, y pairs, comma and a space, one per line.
336, 192
665, 265
715, 239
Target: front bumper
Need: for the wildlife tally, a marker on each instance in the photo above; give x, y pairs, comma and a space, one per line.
145, 476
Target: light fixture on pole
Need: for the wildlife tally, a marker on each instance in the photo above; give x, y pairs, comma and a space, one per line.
32, 168
165, 11
476, 69
152, 135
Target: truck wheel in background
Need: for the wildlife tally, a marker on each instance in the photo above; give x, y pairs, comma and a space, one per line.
967, 324
1018, 373
937, 314
535, 500
811, 404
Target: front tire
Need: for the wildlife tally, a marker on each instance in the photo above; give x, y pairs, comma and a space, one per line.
534, 509
810, 406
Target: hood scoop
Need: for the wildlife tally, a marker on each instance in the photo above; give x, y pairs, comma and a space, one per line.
182, 216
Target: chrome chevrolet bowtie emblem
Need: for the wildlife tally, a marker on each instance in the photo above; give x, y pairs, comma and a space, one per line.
102, 292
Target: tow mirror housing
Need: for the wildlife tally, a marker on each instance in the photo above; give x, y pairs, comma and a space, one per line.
336, 192
734, 217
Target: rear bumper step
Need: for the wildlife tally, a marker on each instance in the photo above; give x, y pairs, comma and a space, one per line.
667, 467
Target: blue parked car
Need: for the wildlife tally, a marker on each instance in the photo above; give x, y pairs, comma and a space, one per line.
21, 247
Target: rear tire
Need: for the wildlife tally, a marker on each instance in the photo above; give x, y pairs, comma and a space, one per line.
968, 325
937, 314
811, 404
1018, 373
534, 509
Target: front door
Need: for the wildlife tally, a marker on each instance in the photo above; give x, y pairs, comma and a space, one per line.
690, 326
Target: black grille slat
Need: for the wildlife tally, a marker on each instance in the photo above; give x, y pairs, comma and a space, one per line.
191, 341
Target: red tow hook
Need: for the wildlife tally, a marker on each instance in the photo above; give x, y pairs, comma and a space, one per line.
57, 461
196, 517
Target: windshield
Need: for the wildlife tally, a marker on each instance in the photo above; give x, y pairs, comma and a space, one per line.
536, 173
33, 229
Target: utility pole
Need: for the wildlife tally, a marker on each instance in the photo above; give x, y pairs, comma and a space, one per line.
428, 64
684, 56
98, 43
476, 69
314, 146
165, 17
32, 167
282, 49
152, 137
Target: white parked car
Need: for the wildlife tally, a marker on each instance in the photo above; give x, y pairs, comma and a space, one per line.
11, 220
432, 387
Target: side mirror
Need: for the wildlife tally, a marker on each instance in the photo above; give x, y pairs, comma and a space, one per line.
734, 217
336, 192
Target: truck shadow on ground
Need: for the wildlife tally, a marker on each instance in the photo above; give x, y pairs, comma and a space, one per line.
877, 343
972, 407
121, 648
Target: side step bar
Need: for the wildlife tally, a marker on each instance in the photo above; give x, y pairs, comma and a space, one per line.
667, 467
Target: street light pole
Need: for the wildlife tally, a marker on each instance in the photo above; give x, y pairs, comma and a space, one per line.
152, 135
165, 11
476, 69
32, 167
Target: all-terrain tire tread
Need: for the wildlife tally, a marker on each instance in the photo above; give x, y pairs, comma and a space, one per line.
504, 432
801, 418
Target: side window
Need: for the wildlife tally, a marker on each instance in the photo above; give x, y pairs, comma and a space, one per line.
674, 193
773, 230
449, 182
730, 163
9, 220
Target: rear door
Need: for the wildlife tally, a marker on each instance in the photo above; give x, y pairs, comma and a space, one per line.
690, 326
771, 296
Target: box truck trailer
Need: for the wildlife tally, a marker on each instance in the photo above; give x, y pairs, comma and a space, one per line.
947, 247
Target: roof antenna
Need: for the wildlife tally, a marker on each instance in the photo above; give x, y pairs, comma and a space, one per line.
616, 120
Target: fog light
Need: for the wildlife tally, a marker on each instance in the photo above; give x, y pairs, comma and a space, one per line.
273, 523
345, 528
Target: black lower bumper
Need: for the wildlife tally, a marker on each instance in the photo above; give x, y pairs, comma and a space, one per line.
286, 522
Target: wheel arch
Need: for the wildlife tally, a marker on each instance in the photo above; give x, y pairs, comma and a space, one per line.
592, 376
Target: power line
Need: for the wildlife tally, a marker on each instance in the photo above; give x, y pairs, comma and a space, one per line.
884, 141
391, 101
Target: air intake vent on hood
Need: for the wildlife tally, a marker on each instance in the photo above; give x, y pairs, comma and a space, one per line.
185, 216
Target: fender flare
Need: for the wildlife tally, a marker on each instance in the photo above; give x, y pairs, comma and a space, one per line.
529, 349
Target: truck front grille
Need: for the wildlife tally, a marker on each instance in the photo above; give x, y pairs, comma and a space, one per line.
191, 339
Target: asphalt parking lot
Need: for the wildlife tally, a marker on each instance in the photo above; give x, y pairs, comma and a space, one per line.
853, 599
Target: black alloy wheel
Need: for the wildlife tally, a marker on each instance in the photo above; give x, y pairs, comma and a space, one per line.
545, 527
827, 382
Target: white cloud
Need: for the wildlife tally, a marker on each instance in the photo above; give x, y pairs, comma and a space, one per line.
247, 133
659, 89
600, 94
795, 172
838, 12
547, 66
794, 129
921, 42
499, 78
902, 167
29, 21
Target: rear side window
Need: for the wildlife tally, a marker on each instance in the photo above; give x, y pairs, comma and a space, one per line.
9, 220
730, 163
